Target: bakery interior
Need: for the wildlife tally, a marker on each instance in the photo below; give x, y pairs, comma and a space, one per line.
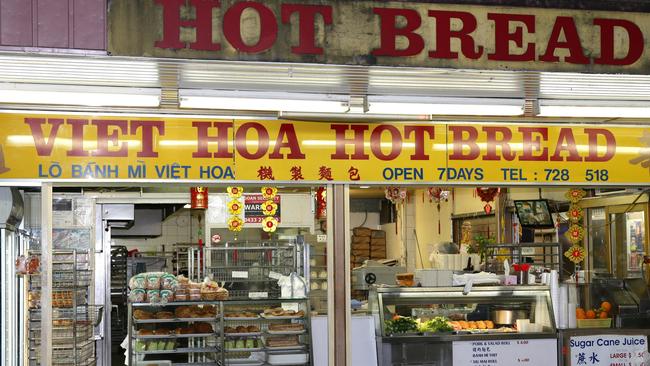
239, 274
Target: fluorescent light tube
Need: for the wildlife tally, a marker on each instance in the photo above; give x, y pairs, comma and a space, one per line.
263, 101
445, 106
594, 108
79, 95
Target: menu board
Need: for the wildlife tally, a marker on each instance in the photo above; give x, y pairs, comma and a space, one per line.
505, 352
610, 350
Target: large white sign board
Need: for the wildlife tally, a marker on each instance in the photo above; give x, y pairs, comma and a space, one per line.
609, 349
531, 352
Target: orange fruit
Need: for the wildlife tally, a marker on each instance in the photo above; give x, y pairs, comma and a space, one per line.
606, 306
603, 315
591, 314
580, 313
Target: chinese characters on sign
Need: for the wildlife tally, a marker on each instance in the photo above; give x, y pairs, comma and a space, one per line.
609, 350
50, 147
532, 352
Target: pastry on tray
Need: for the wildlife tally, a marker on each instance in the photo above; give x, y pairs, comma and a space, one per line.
203, 328
141, 314
291, 327
164, 315
162, 331
145, 332
282, 342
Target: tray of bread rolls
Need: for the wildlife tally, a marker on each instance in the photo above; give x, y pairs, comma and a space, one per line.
242, 331
279, 313
478, 326
242, 315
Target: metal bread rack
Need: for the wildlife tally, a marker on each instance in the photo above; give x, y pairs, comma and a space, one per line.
119, 256
250, 270
73, 318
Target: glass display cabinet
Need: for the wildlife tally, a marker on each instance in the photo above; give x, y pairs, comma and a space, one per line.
423, 326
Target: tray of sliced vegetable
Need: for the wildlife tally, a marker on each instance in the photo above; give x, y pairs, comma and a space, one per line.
404, 325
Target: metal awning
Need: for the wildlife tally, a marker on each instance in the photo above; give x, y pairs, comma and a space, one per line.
172, 75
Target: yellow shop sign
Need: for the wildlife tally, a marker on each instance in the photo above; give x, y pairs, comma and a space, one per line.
56, 147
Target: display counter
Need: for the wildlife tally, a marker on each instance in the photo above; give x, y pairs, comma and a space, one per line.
454, 326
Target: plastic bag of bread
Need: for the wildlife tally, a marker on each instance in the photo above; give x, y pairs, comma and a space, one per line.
21, 265
153, 280
210, 290
166, 296
153, 296
138, 282
168, 282
138, 295
183, 282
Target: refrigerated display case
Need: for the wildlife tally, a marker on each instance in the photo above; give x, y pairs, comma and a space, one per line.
489, 325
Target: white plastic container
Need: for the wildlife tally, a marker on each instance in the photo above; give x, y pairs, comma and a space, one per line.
287, 358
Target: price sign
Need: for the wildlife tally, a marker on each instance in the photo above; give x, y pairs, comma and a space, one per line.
239, 274
505, 352
609, 349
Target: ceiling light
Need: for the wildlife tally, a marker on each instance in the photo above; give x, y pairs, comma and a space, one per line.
364, 187
594, 108
79, 95
445, 106
263, 101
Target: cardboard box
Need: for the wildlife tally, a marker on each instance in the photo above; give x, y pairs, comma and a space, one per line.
360, 239
361, 252
362, 231
365, 246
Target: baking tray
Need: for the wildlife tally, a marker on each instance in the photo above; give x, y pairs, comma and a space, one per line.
173, 320
180, 350
240, 319
286, 332
282, 317
253, 334
286, 348
197, 335
257, 349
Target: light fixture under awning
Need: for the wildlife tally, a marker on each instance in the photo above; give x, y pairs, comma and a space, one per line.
81, 95
445, 106
593, 108
263, 101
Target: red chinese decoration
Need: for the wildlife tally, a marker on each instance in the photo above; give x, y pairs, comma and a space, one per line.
487, 195
199, 197
296, 173
265, 172
354, 173
437, 195
321, 204
325, 173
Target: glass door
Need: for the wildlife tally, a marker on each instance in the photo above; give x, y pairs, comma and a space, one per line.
628, 239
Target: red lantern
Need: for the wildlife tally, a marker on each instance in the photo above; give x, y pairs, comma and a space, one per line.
199, 197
